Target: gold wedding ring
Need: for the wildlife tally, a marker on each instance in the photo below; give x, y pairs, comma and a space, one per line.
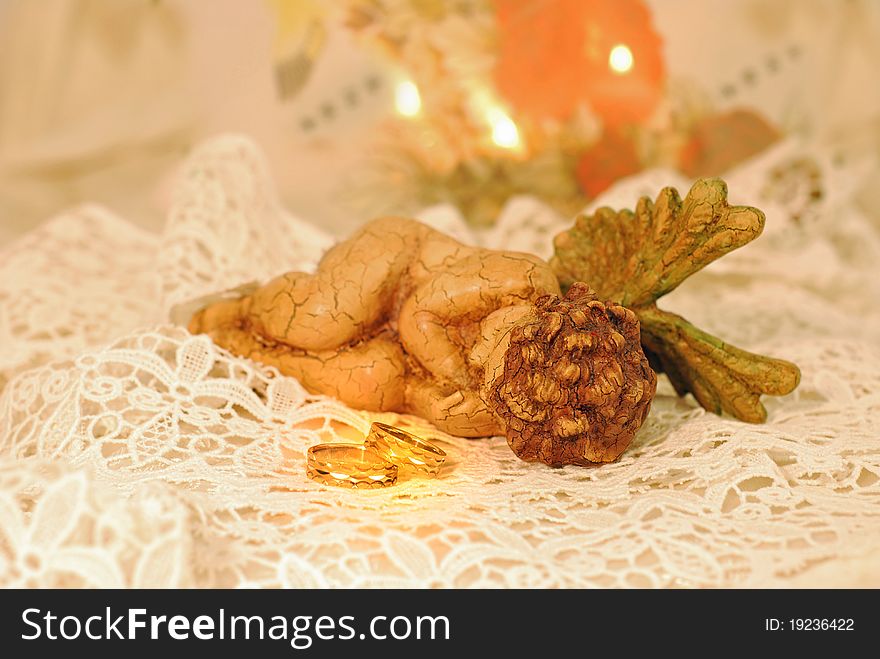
349, 465
405, 449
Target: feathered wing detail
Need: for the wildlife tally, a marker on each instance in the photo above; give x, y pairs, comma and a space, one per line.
635, 258
722, 377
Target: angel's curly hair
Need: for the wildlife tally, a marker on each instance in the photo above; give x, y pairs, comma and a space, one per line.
576, 384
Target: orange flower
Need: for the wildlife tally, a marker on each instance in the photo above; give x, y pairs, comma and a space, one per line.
555, 54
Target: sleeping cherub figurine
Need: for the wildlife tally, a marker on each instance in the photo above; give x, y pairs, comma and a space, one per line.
403, 318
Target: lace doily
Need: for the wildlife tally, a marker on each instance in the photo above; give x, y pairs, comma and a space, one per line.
135, 454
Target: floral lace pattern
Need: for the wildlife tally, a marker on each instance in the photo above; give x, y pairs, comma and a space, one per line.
135, 454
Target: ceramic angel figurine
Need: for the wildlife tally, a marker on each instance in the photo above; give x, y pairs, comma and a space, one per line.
403, 318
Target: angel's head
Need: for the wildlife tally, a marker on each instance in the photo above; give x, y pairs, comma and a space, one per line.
572, 385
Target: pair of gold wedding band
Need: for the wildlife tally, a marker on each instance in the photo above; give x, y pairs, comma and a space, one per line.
386, 451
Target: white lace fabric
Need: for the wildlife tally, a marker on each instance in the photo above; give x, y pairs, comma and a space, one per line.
135, 454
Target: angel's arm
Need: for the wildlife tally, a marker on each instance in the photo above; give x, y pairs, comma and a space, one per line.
440, 321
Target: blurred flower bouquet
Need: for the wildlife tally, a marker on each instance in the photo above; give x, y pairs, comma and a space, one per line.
553, 98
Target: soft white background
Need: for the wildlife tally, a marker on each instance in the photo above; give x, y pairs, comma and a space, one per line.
99, 98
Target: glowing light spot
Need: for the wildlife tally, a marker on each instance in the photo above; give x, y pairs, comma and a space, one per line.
504, 132
620, 59
407, 99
